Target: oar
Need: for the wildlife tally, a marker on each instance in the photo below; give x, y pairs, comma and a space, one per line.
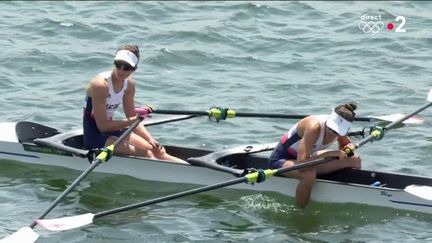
27, 232
421, 191
162, 120
219, 113
379, 133
85, 219
72, 222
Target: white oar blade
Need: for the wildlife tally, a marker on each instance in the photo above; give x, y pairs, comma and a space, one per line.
420, 191
429, 98
24, 235
395, 117
66, 223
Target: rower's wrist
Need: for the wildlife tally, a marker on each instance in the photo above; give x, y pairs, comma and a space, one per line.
131, 120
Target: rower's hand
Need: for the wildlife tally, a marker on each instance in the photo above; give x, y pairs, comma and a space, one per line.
155, 144
144, 111
342, 155
348, 150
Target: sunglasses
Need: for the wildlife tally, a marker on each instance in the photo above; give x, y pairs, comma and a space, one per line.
124, 66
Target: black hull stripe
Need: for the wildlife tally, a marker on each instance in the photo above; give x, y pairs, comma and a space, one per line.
22, 155
410, 203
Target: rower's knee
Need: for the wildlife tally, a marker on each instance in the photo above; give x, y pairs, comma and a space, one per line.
304, 189
288, 163
146, 153
158, 153
308, 176
356, 162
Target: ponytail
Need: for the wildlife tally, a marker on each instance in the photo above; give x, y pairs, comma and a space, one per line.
347, 111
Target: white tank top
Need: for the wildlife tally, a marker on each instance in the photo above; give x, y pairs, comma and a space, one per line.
319, 143
114, 99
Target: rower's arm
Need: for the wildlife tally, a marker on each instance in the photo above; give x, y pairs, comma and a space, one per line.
98, 91
129, 109
310, 130
345, 141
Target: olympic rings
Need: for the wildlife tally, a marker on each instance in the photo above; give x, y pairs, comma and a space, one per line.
371, 26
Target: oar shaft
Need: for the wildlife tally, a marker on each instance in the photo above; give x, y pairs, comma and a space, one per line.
127, 132
209, 188
181, 112
393, 124
67, 191
402, 119
171, 196
85, 173
304, 164
269, 115
247, 114
174, 119
238, 114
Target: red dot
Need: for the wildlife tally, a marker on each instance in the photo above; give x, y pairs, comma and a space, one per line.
390, 26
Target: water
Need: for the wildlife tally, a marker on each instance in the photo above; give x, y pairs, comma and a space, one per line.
278, 57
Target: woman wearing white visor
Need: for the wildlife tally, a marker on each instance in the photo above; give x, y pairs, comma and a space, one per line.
104, 94
309, 139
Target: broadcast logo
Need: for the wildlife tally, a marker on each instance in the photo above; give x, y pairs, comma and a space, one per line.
374, 24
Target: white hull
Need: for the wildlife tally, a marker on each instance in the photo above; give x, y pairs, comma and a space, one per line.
154, 170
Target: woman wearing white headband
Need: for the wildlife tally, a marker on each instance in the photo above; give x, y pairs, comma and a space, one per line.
309, 139
104, 94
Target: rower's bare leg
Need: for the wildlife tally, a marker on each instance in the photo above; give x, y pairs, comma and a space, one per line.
157, 153
126, 148
169, 157
306, 179
163, 155
351, 162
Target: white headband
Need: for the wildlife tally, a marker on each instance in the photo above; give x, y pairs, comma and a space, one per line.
127, 56
338, 124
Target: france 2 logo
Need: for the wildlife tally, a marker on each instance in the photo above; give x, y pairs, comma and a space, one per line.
374, 24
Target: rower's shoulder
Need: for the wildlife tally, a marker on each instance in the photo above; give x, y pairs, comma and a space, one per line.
100, 80
309, 124
130, 80
98, 86
311, 121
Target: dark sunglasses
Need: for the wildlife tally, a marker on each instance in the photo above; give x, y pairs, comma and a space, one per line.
124, 66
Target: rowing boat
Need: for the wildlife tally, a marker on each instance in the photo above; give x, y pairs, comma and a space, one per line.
33, 143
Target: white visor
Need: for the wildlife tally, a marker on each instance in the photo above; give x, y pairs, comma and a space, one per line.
127, 56
338, 124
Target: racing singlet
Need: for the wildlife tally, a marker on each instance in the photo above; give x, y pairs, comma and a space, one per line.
288, 146
93, 137
112, 101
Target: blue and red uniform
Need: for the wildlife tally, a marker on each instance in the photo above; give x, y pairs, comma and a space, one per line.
288, 146
93, 137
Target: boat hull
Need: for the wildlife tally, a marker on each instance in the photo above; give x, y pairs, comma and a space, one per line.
348, 186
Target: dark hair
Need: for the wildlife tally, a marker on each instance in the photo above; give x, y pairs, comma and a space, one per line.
132, 48
346, 111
